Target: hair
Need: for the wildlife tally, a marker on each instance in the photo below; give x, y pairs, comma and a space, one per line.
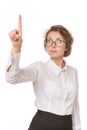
65, 34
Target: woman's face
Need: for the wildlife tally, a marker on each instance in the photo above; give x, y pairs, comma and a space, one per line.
55, 50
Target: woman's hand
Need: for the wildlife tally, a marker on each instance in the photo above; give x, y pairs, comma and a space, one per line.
16, 37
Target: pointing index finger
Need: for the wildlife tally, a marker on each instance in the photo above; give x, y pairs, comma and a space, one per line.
20, 23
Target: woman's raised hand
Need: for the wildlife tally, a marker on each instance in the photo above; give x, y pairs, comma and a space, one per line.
16, 37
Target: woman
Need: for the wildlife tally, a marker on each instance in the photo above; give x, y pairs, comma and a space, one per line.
55, 83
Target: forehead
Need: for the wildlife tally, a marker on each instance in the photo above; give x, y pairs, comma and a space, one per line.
54, 35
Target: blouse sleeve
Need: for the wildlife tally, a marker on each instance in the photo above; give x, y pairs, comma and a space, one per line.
16, 75
76, 110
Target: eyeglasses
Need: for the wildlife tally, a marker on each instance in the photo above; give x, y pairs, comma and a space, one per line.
58, 42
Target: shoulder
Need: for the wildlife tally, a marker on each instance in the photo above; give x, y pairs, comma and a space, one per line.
38, 65
73, 72
72, 68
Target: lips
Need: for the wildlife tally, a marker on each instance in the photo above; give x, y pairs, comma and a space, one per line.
53, 51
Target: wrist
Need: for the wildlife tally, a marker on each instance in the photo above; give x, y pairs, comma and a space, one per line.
15, 50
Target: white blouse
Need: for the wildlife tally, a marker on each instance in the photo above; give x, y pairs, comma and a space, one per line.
56, 89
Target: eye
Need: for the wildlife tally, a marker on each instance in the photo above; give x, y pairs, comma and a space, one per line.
49, 41
58, 41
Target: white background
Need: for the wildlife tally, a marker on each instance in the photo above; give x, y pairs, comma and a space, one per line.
17, 101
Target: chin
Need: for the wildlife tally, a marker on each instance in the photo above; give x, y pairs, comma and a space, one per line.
54, 57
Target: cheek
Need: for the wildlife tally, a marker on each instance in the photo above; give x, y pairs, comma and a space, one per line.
47, 49
63, 49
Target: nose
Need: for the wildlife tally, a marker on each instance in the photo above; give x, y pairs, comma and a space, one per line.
54, 44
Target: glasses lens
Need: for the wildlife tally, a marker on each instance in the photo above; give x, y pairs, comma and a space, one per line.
49, 42
58, 41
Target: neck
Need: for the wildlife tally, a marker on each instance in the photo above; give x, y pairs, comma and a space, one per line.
59, 61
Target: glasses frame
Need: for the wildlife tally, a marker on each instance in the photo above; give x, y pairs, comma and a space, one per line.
60, 44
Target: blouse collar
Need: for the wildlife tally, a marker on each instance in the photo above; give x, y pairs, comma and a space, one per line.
55, 68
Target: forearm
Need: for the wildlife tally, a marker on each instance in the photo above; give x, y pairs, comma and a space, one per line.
76, 116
